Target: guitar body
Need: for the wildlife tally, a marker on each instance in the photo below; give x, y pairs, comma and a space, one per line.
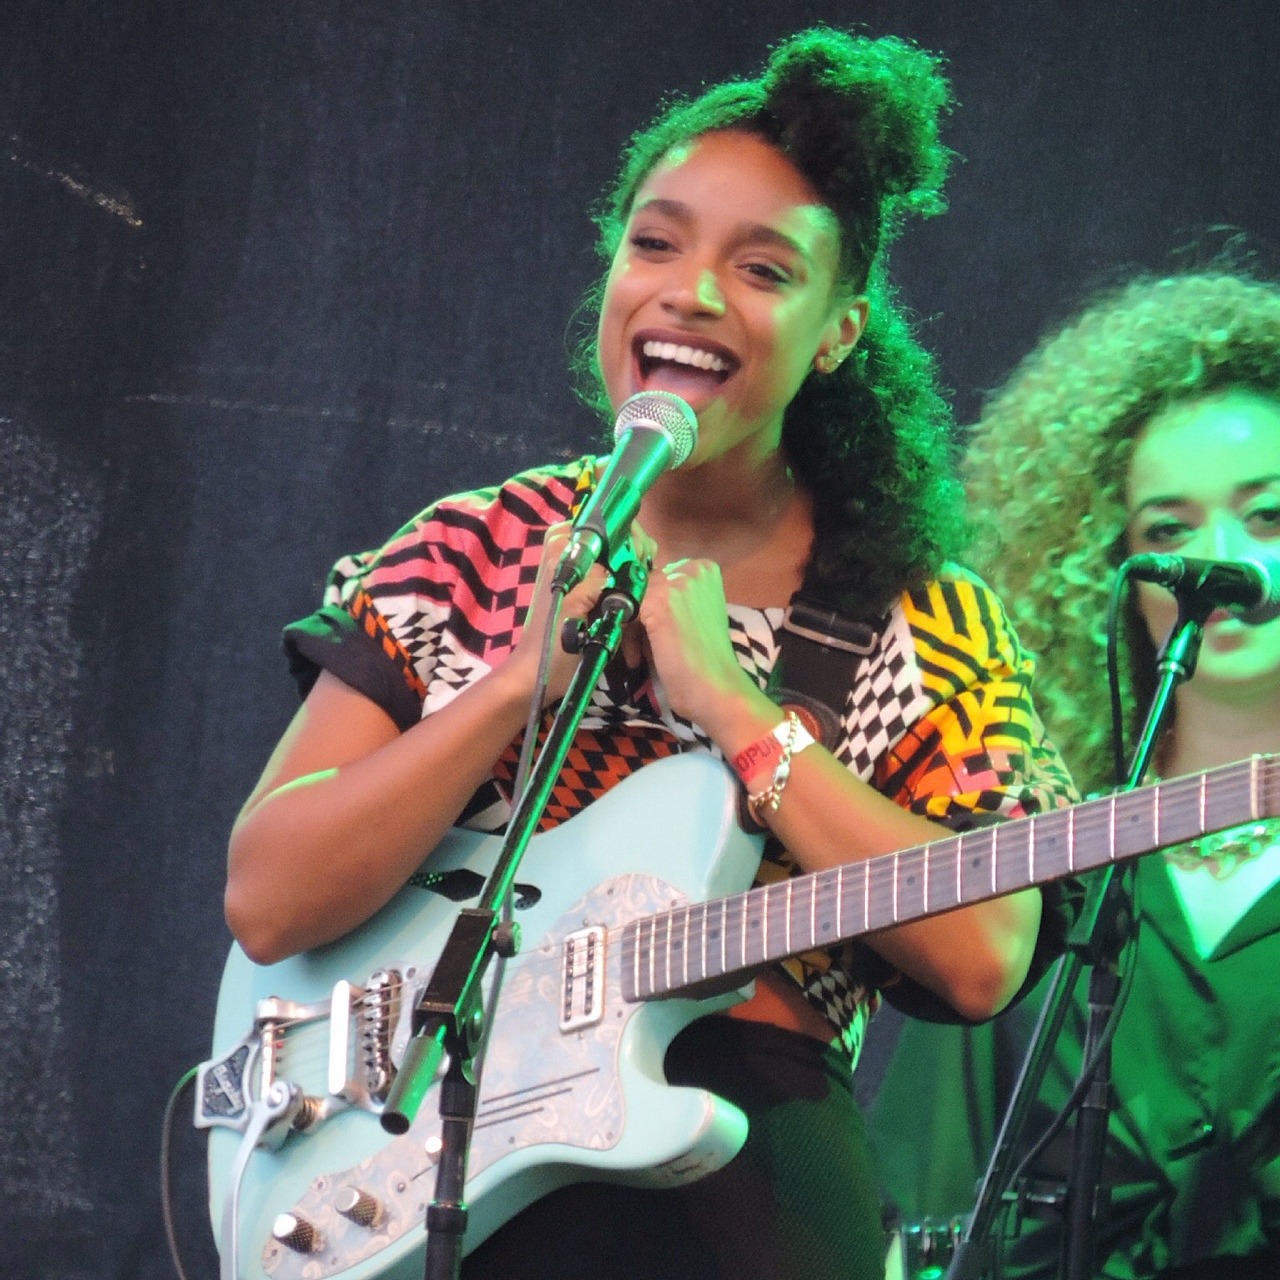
565, 1096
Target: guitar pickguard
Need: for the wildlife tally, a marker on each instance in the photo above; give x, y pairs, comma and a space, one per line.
541, 1088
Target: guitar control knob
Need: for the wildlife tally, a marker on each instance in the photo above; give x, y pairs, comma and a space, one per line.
359, 1206
297, 1233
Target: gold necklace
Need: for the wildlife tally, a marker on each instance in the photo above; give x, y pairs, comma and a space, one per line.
1224, 852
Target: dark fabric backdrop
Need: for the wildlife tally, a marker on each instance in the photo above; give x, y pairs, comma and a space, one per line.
273, 275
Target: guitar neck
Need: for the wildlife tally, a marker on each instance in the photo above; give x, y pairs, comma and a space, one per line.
664, 953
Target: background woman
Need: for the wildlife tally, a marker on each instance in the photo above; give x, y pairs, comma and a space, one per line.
745, 240
1151, 422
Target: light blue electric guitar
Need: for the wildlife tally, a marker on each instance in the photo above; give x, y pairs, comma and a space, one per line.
621, 910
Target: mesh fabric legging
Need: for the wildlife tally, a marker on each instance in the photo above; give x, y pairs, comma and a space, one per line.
798, 1202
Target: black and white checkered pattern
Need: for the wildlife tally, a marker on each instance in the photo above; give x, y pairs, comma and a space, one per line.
887, 697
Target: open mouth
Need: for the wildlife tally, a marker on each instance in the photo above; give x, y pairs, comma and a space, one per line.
1219, 616
686, 368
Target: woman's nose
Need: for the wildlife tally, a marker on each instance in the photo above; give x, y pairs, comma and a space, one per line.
696, 292
1226, 539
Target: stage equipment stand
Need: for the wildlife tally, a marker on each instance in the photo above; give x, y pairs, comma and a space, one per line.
1098, 938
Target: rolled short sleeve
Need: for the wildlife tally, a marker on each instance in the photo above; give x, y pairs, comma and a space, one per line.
442, 603
366, 657
978, 755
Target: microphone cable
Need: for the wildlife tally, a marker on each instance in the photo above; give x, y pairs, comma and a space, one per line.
1119, 583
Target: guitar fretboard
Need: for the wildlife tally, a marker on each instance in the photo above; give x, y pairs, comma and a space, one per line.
663, 953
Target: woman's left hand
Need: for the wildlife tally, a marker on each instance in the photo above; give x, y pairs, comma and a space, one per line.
686, 628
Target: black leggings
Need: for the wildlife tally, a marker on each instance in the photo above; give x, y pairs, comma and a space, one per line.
798, 1202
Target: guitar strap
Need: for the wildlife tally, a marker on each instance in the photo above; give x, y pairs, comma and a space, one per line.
820, 651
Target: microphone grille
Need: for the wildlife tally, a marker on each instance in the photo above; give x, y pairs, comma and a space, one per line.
1269, 606
661, 411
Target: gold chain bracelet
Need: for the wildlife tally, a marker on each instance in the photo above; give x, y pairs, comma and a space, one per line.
769, 799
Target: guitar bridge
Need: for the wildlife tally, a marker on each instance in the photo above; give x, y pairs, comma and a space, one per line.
361, 1023
582, 978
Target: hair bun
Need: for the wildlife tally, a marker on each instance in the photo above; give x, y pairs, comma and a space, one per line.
873, 106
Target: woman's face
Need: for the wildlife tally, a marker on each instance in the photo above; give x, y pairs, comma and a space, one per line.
1204, 481
723, 290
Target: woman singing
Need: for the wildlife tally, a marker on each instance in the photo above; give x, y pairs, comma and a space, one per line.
745, 239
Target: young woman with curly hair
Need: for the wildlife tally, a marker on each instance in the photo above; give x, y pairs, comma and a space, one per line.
1050, 472
745, 242
1151, 422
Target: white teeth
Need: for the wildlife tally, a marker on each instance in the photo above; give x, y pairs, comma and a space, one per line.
694, 356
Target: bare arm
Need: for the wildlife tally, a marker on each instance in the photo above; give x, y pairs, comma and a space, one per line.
348, 807
975, 958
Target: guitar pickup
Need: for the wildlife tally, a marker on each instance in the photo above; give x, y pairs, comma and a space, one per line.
582, 978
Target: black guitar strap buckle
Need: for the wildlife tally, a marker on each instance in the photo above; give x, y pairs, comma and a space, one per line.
820, 652
831, 630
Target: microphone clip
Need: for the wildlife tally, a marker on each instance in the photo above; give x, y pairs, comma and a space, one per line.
583, 550
618, 604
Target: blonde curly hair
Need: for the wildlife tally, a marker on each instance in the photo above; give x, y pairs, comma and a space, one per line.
1047, 467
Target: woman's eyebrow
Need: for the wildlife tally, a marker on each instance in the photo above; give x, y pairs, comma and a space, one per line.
676, 209
1252, 486
1245, 487
1170, 500
755, 233
750, 233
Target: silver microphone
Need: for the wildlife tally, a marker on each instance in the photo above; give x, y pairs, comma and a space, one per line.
1250, 587
655, 431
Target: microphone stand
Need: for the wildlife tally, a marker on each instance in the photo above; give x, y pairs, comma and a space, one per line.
1098, 938
448, 1018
